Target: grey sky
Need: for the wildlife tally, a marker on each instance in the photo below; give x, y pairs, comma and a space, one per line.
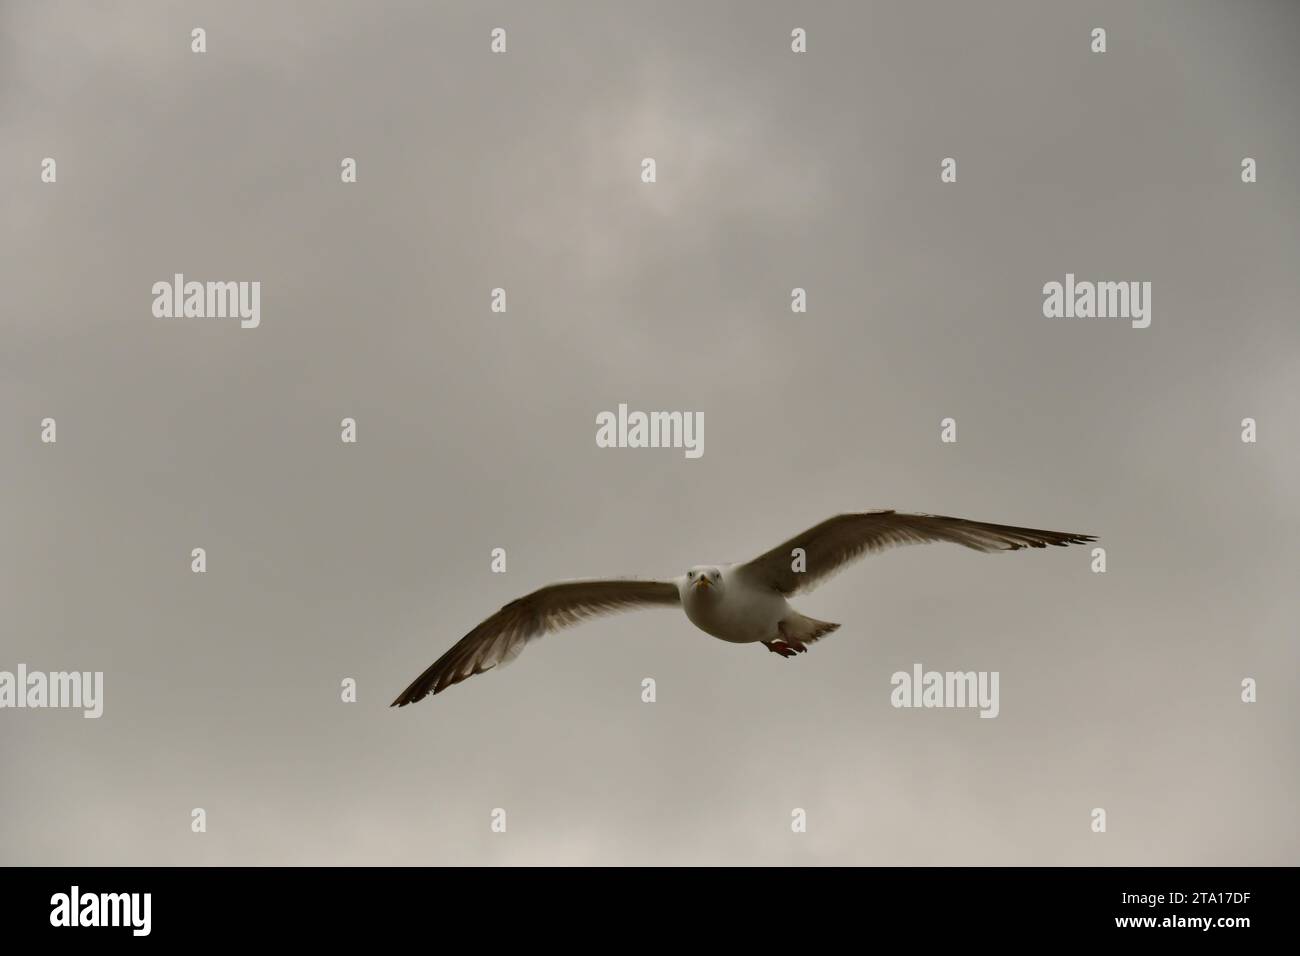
476, 430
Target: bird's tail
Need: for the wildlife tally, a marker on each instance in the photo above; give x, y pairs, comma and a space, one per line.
805, 629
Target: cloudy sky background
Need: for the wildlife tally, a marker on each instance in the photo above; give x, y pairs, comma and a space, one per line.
476, 430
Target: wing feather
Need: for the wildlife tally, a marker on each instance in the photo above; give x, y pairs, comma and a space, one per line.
502, 636
837, 542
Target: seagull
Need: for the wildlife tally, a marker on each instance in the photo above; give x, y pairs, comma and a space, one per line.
740, 603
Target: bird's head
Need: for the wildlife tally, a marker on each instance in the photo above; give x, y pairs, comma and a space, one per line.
704, 579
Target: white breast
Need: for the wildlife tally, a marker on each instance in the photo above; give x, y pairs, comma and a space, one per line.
735, 612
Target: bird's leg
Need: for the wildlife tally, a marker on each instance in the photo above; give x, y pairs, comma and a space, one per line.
784, 648
786, 645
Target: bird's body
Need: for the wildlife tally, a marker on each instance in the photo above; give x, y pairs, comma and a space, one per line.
743, 603
729, 610
739, 610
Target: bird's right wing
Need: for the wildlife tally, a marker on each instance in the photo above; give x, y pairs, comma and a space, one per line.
838, 541
503, 635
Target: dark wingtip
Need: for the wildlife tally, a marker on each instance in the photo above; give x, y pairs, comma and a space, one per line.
407, 697
1064, 540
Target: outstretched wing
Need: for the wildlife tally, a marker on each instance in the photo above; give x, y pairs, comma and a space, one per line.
837, 542
502, 636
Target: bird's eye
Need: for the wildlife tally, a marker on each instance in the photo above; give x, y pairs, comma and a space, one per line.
690, 574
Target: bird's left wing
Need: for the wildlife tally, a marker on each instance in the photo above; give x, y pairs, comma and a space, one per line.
503, 635
838, 541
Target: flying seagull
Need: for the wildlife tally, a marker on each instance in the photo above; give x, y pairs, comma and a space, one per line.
741, 603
